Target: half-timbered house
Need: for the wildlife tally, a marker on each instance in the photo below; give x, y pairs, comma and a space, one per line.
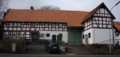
117, 32
76, 27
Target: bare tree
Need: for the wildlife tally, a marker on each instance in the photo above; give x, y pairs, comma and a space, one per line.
49, 8
3, 7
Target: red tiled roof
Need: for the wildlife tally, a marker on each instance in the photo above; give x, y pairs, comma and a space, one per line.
117, 25
94, 10
72, 18
91, 13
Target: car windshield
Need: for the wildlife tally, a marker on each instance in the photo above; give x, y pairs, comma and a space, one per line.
55, 45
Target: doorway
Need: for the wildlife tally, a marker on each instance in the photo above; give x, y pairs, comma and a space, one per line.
34, 36
53, 38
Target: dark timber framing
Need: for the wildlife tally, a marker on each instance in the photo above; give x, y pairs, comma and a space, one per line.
26, 27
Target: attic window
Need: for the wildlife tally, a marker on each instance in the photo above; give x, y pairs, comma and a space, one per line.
60, 25
46, 25
33, 24
53, 25
19, 24
11, 24
15, 24
117, 35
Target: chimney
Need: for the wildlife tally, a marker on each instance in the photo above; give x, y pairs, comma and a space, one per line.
32, 8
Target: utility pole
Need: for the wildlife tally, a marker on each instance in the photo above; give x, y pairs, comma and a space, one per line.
112, 28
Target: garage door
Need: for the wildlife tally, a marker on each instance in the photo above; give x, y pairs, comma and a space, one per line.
74, 36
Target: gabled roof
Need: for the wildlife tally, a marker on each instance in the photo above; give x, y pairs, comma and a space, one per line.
87, 17
117, 26
72, 18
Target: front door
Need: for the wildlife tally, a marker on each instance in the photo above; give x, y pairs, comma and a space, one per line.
34, 36
53, 38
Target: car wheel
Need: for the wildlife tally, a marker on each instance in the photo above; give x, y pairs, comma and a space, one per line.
48, 51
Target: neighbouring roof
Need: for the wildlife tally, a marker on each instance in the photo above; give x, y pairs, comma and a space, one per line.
87, 17
72, 18
117, 25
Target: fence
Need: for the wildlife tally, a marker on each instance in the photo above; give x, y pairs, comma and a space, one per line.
6, 46
44, 41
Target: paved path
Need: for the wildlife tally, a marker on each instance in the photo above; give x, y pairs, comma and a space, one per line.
38, 49
80, 50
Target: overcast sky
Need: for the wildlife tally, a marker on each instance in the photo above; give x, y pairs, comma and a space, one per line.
71, 5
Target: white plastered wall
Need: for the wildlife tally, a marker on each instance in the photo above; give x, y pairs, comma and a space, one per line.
64, 35
102, 36
90, 40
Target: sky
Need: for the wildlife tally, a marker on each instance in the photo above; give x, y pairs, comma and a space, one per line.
70, 5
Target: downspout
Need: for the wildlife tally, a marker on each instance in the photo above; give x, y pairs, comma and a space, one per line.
113, 33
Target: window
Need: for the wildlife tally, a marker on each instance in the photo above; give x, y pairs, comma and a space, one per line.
83, 36
10, 34
89, 35
11, 24
19, 24
15, 24
60, 25
48, 35
117, 35
14, 34
46, 25
33, 24
18, 34
53, 25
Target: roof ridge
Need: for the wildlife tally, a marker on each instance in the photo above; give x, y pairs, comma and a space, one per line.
50, 10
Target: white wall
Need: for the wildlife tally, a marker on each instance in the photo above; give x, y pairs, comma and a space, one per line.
102, 36
64, 35
90, 40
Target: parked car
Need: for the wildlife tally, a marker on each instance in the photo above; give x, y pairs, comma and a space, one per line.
52, 47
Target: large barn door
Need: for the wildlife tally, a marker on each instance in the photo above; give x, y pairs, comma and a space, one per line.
74, 36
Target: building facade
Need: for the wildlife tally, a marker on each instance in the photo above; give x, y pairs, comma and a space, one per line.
76, 27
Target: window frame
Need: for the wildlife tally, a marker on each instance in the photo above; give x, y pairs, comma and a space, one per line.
48, 35
11, 34
18, 25
32, 24
11, 25
89, 35
52, 25
83, 36
117, 35
47, 26
14, 24
17, 34
59, 25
